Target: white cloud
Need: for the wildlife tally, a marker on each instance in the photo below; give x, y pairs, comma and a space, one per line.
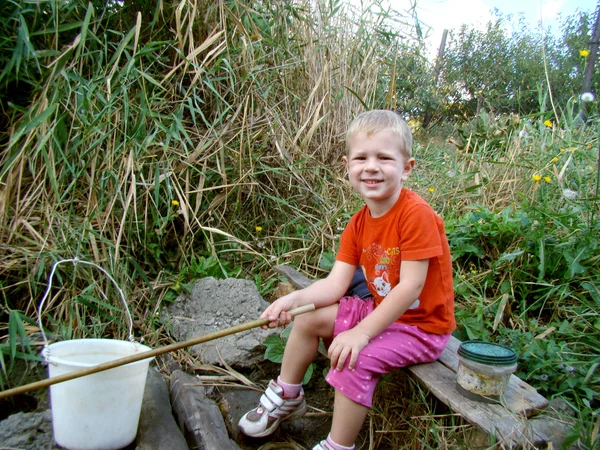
438, 15
548, 11
449, 14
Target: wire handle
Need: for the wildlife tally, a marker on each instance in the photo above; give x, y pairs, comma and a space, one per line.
75, 261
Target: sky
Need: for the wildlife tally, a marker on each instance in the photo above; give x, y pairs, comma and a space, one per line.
451, 14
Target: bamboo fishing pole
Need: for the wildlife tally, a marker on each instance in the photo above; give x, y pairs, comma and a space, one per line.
148, 354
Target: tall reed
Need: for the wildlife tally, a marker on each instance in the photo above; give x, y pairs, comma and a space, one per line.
151, 139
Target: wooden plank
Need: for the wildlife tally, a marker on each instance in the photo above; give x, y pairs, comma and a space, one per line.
297, 280
520, 397
494, 419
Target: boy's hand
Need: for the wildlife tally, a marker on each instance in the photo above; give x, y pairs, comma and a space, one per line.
278, 313
348, 343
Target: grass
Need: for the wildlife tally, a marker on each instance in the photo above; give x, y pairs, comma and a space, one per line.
204, 139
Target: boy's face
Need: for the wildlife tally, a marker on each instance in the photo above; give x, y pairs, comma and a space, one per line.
377, 169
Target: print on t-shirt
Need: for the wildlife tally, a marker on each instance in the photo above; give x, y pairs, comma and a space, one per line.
387, 270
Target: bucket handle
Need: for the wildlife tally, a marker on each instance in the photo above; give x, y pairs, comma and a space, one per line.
80, 261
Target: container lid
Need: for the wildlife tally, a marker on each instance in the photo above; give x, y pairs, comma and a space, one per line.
487, 353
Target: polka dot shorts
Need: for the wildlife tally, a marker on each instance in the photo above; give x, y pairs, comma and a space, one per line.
398, 346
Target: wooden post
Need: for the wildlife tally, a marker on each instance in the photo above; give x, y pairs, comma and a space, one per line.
591, 62
436, 73
440, 57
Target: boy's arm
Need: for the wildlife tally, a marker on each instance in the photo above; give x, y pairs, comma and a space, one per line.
397, 302
321, 293
404, 294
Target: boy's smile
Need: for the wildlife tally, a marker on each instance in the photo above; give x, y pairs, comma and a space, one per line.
377, 169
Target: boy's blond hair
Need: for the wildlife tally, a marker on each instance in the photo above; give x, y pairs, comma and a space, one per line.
371, 122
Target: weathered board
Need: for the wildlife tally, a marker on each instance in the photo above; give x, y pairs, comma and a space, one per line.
497, 419
519, 398
297, 280
508, 421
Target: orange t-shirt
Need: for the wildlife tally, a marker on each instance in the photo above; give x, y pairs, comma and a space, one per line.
410, 231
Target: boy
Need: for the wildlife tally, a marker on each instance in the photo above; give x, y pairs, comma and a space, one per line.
400, 245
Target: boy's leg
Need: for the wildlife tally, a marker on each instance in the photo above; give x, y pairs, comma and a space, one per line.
348, 418
397, 346
300, 350
303, 343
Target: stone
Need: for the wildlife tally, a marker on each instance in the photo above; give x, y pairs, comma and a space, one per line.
157, 429
28, 431
214, 305
198, 415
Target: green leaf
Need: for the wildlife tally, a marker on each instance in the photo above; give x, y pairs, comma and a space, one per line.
275, 348
327, 260
592, 290
12, 334
358, 97
542, 256
286, 332
510, 256
27, 126
309, 373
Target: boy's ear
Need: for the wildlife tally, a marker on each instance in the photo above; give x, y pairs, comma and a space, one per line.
408, 168
345, 159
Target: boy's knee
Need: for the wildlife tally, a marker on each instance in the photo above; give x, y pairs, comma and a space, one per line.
306, 321
318, 323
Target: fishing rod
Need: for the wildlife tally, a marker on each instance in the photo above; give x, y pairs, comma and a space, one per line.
148, 354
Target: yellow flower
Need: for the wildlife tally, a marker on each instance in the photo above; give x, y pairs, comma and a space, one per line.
584, 53
548, 123
555, 159
562, 150
463, 276
258, 229
547, 179
536, 177
174, 203
572, 149
432, 190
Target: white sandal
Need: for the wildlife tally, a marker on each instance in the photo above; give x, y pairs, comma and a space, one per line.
273, 410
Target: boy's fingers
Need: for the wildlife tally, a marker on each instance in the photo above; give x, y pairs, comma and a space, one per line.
273, 314
333, 354
353, 358
342, 359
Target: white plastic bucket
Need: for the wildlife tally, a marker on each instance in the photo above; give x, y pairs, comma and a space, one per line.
99, 411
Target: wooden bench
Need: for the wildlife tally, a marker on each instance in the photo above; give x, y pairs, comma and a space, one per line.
515, 421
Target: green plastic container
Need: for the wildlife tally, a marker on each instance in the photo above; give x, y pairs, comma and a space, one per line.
484, 369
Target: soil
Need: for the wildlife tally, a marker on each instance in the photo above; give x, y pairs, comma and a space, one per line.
22, 373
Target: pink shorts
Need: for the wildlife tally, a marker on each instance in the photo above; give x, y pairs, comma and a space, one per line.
398, 346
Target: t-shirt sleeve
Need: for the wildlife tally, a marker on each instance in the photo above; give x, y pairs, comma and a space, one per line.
419, 235
348, 251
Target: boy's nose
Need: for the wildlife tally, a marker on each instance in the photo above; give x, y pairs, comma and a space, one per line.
371, 165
